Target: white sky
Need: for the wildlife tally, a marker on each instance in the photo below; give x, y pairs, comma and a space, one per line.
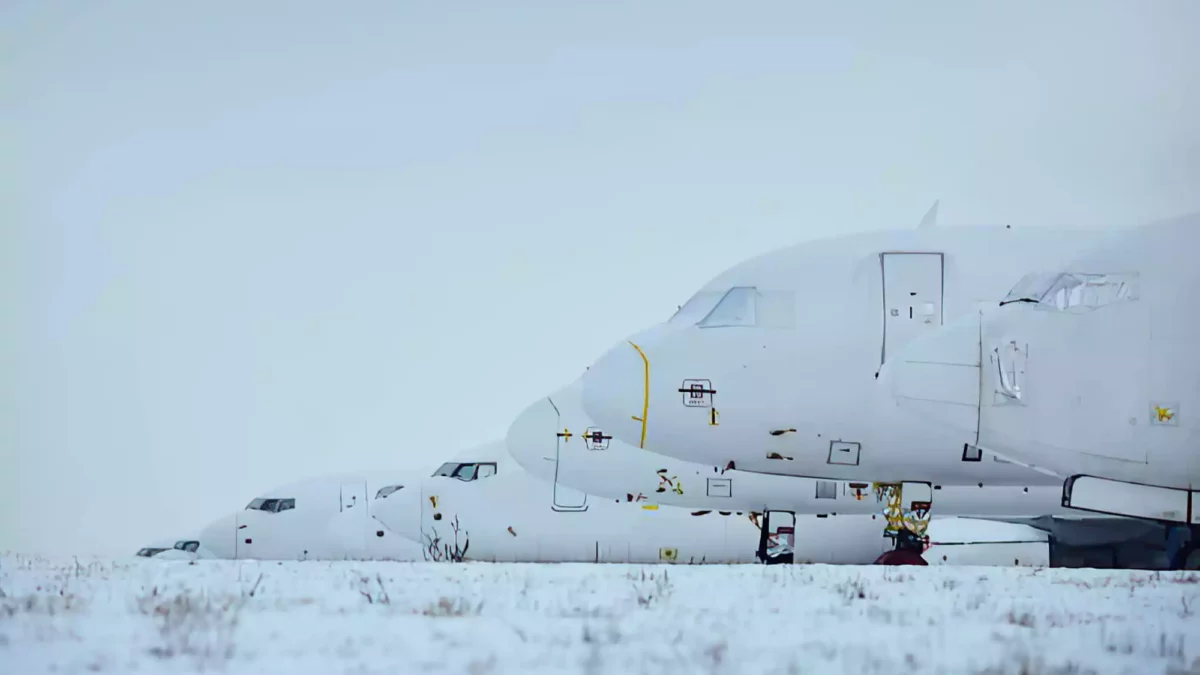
247, 243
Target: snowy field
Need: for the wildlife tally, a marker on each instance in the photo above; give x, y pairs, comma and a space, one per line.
64, 616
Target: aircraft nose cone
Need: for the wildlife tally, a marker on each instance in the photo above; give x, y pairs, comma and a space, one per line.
400, 512
219, 537
936, 378
532, 439
616, 393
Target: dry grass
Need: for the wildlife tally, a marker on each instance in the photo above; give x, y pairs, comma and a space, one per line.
197, 625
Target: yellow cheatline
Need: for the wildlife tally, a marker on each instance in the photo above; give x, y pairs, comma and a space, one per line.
645, 392
650, 507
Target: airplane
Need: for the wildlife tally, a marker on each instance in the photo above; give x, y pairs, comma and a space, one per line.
483, 506
556, 442
1087, 372
772, 366
326, 518
813, 324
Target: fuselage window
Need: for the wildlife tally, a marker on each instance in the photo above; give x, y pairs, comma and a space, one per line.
385, 491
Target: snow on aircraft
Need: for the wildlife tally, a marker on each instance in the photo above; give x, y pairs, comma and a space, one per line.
1088, 371
556, 441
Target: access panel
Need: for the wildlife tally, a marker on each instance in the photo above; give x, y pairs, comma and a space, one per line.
912, 297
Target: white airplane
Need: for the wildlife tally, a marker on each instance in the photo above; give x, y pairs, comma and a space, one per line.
812, 325
483, 506
1088, 372
326, 518
556, 442
771, 367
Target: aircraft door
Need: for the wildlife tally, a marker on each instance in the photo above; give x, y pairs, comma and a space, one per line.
354, 496
912, 297
243, 533
565, 498
237, 536
778, 542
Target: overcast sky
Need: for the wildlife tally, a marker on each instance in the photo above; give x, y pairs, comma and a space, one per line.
245, 243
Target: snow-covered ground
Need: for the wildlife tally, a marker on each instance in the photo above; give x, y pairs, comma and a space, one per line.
146, 616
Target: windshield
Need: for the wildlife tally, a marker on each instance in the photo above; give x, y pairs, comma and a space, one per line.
385, 491
696, 308
466, 471
150, 552
1073, 290
736, 308
271, 504
189, 546
1030, 288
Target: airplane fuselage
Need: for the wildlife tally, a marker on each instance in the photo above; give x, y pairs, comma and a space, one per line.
773, 365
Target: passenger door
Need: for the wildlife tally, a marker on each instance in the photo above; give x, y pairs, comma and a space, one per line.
353, 495
912, 297
565, 498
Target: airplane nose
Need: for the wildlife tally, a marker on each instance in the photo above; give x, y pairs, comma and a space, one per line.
616, 393
400, 512
532, 439
936, 378
219, 537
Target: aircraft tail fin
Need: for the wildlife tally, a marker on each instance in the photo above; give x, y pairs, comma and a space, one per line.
930, 219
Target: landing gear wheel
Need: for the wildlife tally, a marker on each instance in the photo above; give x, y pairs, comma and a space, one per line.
900, 557
1187, 558
907, 552
1185, 542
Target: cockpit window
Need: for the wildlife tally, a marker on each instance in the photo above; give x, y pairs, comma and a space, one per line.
1070, 291
271, 504
150, 552
737, 308
466, 471
186, 545
385, 491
